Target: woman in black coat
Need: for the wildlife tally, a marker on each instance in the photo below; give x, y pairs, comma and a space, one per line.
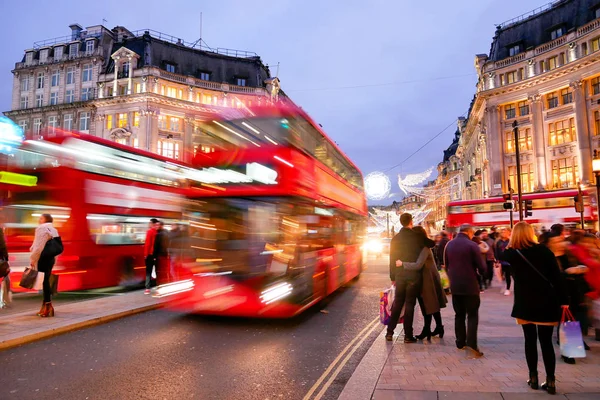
538, 298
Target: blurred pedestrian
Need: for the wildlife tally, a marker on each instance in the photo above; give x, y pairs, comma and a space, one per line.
501, 245
432, 298
538, 298
5, 295
494, 233
464, 262
406, 246
484, 250
149, 252
43, 262
573, 278
490, 258
161, 254
177, 237
439, 249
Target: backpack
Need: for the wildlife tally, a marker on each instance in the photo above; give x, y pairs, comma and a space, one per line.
53, 247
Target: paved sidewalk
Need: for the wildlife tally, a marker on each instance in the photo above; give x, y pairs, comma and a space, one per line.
26, 326
438, 370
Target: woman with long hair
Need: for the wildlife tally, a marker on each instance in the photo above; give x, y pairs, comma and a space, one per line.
538, 296
432, 297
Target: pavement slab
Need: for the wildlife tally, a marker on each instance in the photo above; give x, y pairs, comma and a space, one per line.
437, 369
24, 327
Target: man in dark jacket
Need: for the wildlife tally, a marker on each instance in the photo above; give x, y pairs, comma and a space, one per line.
463, 261
161, 254
405, 246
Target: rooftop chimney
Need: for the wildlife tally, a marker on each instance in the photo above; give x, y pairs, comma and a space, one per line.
75, 31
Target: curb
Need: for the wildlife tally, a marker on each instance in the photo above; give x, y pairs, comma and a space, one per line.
11, 343
363, 382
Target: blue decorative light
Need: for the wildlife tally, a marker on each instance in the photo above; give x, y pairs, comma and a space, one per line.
11, 135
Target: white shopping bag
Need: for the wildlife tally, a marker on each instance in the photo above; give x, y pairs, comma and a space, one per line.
390, 299
39, 281
153, 272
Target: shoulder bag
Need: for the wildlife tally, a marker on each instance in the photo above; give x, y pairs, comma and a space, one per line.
535, 269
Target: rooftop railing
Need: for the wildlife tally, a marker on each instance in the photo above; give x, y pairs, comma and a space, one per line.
529, 14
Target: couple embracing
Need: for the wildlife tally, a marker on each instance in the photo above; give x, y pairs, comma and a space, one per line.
413, 271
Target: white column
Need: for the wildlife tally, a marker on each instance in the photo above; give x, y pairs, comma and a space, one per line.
539, 140
494, 135
129, 80
583, 135
115, 84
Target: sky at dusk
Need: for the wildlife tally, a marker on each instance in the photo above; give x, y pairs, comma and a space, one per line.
367, 71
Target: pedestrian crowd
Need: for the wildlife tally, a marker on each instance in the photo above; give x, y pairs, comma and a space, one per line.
551, 274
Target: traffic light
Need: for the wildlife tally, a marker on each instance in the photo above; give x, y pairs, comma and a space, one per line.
508, 203
528, 208
578, 203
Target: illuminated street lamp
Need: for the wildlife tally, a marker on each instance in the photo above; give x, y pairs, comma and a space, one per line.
596, 169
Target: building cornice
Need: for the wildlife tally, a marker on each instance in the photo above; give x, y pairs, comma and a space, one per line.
47, 109
546, 77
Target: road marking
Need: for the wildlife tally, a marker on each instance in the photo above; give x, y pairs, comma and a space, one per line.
344, 362
371, 325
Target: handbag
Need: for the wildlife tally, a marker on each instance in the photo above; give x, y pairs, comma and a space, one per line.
571, 339
4, 268
28, 278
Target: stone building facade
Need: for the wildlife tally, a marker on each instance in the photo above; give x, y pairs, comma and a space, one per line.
144, 89
543, 72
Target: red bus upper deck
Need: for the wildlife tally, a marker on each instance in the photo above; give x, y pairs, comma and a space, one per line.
279, 218
101, 194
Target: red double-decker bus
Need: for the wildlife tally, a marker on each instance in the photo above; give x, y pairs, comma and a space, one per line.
548, 208
101, 195
277, 217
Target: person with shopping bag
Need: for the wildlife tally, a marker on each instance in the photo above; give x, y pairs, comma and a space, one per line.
432, 298
46, 246
538, 297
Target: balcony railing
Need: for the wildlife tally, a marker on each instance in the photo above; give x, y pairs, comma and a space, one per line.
550, 45
173, 77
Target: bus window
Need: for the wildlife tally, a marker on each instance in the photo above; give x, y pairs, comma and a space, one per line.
120, 229
20, 220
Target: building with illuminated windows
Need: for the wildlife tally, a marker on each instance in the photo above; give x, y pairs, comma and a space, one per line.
141, 88
543, 71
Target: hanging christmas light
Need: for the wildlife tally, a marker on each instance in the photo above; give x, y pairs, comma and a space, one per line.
410, 183
377, 186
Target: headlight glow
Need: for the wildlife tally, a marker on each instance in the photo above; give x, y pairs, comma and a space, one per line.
173, 288
375, 246
275, 293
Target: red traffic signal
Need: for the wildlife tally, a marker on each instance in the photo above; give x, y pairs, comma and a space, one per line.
506, 196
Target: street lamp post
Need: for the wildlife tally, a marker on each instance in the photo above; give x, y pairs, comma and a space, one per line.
596, 169
515, 126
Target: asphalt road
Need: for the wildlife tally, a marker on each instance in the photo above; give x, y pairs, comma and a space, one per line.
164, 355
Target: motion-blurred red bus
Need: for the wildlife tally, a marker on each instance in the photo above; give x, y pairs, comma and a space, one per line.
278, 222
101, 195
548, 208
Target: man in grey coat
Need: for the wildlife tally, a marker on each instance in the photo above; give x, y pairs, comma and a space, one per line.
463, 262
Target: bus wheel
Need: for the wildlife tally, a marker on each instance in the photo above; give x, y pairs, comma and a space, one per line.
127, 275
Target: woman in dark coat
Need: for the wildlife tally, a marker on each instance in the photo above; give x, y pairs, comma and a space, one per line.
538, 298
432, 298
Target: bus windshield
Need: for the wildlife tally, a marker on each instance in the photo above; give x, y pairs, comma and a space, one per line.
248, 235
